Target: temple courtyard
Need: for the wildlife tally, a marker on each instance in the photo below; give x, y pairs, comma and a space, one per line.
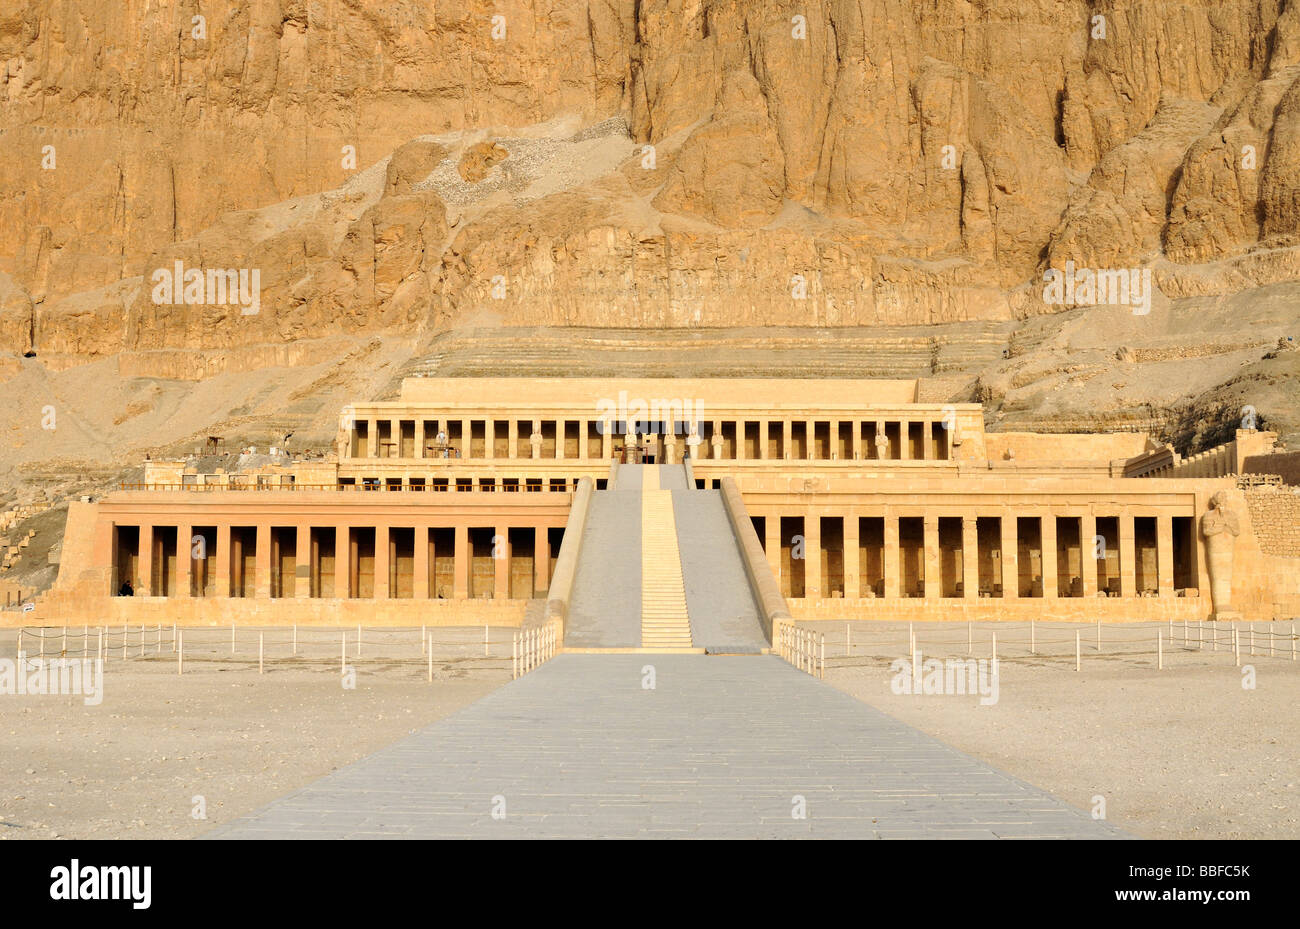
1184, 751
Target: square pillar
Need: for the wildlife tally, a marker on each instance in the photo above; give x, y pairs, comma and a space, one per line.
772, 545
381, 562
145, 563
740, 440
904, 440
852, 560
489, 438
466, 432
763, 450
372, 438
419, 436
970, 571
607, 440
342, 562
1165, 555
512, 437
262, 563
1127, 564
184, 561
221, 570
460, 570
420, 585
302, 562
857, 441
560, 426
787, 438
812, 553
927, 440
542, 557
893, 579
1047, 536
1088, 553
501, 555
933, 580
1010, 557
395, 437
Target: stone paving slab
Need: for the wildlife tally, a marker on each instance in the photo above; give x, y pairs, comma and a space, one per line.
722, 747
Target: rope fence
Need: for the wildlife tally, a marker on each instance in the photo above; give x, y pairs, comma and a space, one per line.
280, 646
1154, 642
532, 647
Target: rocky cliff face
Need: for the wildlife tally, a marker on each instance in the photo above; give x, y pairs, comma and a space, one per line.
403, 167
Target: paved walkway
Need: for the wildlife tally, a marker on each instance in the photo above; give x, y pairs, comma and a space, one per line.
721, 747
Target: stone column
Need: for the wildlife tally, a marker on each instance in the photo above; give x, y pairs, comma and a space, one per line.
145, 562
461, 568
1010, 557
372, 437
787, 438
420, 564
904, 440
715, 441
489, 438
927, 440
1088, 553
1127, 563
858, 453
501, 555
542, 558
1165, 555
382, 541
763, 450
184, 560
302, 561
420, 438
512, 438
882, 441
933, 574
852, 559
395, 436
893, 578
1047, 534
970, 570
607, 440
262, 563
740, 440
466, 434
342, 561
221, 562
535, 439
812, 553
810, 439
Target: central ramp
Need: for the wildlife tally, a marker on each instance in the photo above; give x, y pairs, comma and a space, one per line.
660, 569
718, 748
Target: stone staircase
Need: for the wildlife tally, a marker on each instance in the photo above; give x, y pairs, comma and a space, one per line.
665, 623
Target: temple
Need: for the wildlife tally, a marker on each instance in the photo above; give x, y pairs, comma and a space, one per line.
450, 504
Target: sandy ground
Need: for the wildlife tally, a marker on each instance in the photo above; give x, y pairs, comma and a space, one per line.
1185, 752
1182, 752
132, 766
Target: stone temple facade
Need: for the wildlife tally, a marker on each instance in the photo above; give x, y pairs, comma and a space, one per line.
466, 500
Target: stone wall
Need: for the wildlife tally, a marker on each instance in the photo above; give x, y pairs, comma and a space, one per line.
1275, 518
1286, 464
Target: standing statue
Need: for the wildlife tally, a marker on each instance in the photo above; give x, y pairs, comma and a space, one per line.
1220, 527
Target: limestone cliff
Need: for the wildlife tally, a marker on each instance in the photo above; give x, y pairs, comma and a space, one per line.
395, 169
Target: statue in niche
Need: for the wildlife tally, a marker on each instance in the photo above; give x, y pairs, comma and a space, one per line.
1220, 527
